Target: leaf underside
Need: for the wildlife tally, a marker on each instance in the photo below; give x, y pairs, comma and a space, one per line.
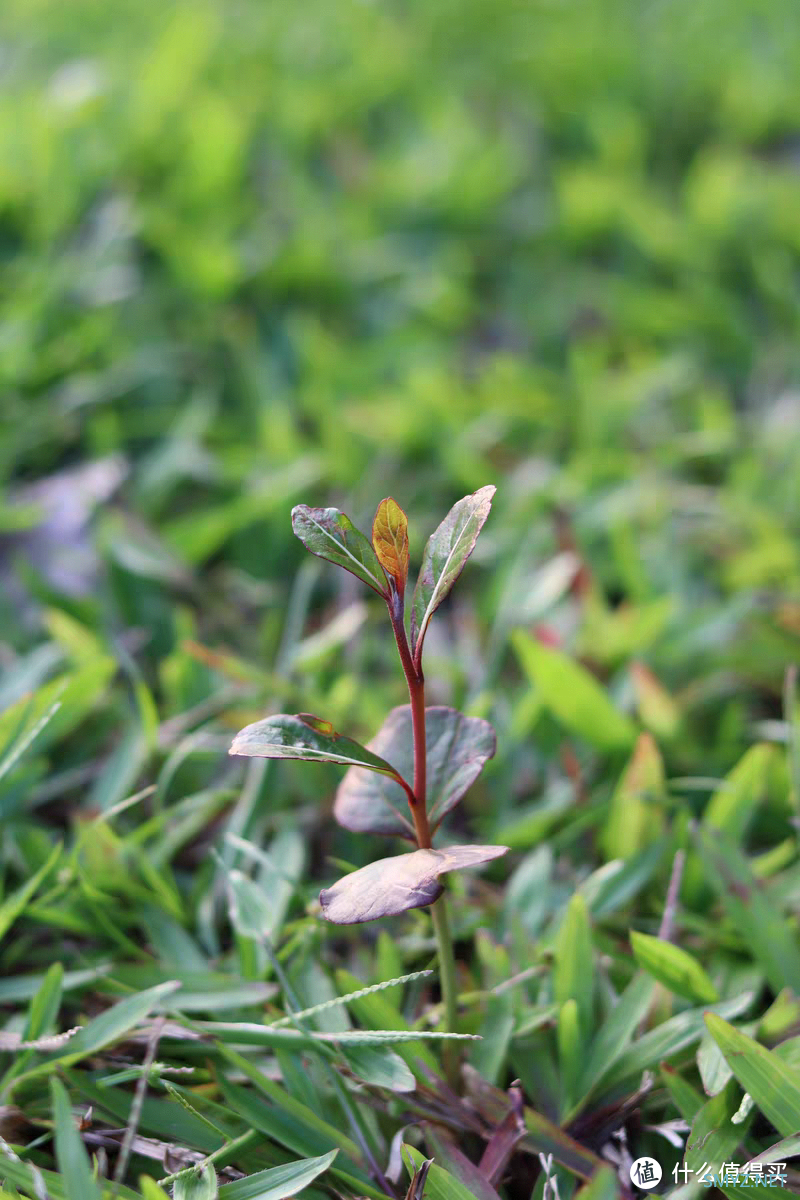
443, 559
306, 738
394, 885
458, 748
330, 534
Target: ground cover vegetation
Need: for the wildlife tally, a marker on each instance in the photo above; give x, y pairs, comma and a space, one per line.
263, 258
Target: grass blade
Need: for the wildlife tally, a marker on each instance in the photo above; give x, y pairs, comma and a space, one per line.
773, 1084
73, 1160
277, 1183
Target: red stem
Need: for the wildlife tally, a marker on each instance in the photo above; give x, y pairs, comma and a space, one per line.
416, 694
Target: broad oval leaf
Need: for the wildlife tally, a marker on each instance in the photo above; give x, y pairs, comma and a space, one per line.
458, 747
390, 541
330, 534
443, 559
394, 885
304, 737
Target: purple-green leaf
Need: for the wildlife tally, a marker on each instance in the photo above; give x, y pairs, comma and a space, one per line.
458, 747
305, 737
329, 534
443, 560
394, 885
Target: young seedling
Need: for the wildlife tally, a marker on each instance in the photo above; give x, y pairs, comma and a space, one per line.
438, 749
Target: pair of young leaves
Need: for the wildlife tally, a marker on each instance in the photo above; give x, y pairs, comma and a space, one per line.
370, 797
383, 563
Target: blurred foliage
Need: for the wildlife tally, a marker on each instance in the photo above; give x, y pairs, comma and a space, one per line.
257, 254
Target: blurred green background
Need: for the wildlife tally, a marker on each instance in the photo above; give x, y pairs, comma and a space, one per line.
257, 254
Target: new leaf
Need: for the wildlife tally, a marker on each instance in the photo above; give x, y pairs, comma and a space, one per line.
390, 540
443, 560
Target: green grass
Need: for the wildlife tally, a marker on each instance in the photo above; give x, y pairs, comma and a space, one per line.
260, 254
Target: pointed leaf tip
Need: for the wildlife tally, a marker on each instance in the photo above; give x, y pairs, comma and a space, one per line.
390, 541
331, 535
394, 885
444, 557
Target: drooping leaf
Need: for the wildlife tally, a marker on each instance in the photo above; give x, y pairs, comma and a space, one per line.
394, 885
458, 747
390, 541
307, 738
443, 559
674, 967
573, 695
773, 1084
330, 534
